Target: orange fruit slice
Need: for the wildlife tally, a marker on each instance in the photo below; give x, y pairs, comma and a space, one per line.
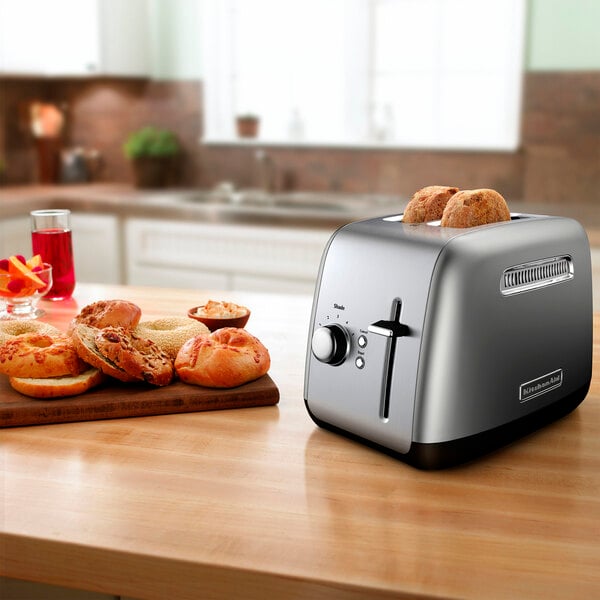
20, 270
35, 261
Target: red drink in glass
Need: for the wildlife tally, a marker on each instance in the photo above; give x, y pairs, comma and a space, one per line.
55, 247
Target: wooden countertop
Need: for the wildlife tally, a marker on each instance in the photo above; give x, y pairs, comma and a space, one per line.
260, 503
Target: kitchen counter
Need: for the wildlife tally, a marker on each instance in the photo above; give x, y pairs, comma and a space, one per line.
302, 209
320, 212
247, 207
260, 503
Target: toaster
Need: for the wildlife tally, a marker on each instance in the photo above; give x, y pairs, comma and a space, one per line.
438, 345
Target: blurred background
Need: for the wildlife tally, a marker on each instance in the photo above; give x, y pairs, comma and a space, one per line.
158, 75
331, 110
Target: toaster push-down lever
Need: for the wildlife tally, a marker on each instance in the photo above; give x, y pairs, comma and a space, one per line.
391, 330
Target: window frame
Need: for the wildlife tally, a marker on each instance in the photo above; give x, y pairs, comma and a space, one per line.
219, 101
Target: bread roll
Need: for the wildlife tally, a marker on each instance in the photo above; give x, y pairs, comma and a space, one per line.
226, 358
428, 204
105, 313
469, 208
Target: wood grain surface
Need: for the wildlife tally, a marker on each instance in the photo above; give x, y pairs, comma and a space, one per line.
261, 503
114, 400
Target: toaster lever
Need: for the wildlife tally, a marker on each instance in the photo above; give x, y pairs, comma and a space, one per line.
388, 329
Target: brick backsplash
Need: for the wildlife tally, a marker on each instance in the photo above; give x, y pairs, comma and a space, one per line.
559, 160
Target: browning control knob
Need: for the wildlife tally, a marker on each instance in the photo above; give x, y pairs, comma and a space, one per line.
330, 344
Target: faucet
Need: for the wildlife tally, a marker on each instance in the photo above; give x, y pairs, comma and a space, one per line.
266, 171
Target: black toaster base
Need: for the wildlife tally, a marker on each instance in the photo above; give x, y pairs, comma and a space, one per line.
447, 454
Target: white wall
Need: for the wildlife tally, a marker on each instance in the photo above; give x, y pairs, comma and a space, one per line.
175, 39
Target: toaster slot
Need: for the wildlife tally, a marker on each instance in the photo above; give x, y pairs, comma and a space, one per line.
388, 331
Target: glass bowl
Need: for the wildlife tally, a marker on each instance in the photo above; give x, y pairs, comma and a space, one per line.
20, 292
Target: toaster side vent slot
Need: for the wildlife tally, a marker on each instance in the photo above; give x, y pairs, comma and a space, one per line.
536, 274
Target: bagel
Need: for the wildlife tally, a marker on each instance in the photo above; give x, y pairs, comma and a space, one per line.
40, 355
83, 338
170, 333
108, 313
428, 203
469, 208
57, 387
12, 329
138, 356
226, 358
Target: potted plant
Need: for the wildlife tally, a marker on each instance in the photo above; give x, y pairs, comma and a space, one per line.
153, 153
247, 125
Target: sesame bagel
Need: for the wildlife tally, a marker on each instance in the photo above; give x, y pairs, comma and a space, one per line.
170, 333
12, 329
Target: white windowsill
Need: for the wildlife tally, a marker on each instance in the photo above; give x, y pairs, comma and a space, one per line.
359, 145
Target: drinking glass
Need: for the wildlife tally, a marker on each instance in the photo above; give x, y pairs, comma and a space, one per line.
51, 238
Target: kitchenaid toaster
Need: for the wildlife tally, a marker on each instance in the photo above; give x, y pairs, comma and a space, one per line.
439, 344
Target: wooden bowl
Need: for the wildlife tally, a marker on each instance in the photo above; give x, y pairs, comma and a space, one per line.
215, 321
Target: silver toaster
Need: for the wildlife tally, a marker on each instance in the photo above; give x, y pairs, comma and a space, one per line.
437, 344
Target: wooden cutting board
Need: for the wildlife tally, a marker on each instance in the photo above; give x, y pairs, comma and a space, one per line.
114, 400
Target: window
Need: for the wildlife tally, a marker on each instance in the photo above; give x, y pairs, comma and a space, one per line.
401, 73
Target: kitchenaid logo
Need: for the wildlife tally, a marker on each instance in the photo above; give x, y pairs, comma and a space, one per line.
339, 306
541, 385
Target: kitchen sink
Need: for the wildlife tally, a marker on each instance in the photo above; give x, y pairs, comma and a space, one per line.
302, 201
314, 202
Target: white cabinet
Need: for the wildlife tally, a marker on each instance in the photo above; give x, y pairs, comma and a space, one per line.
97, 247
15, 236
66, 37
223, 256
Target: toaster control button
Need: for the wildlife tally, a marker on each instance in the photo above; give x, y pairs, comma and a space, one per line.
330, 344
362, 341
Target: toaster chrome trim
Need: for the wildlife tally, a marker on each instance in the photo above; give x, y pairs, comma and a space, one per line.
536, 274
